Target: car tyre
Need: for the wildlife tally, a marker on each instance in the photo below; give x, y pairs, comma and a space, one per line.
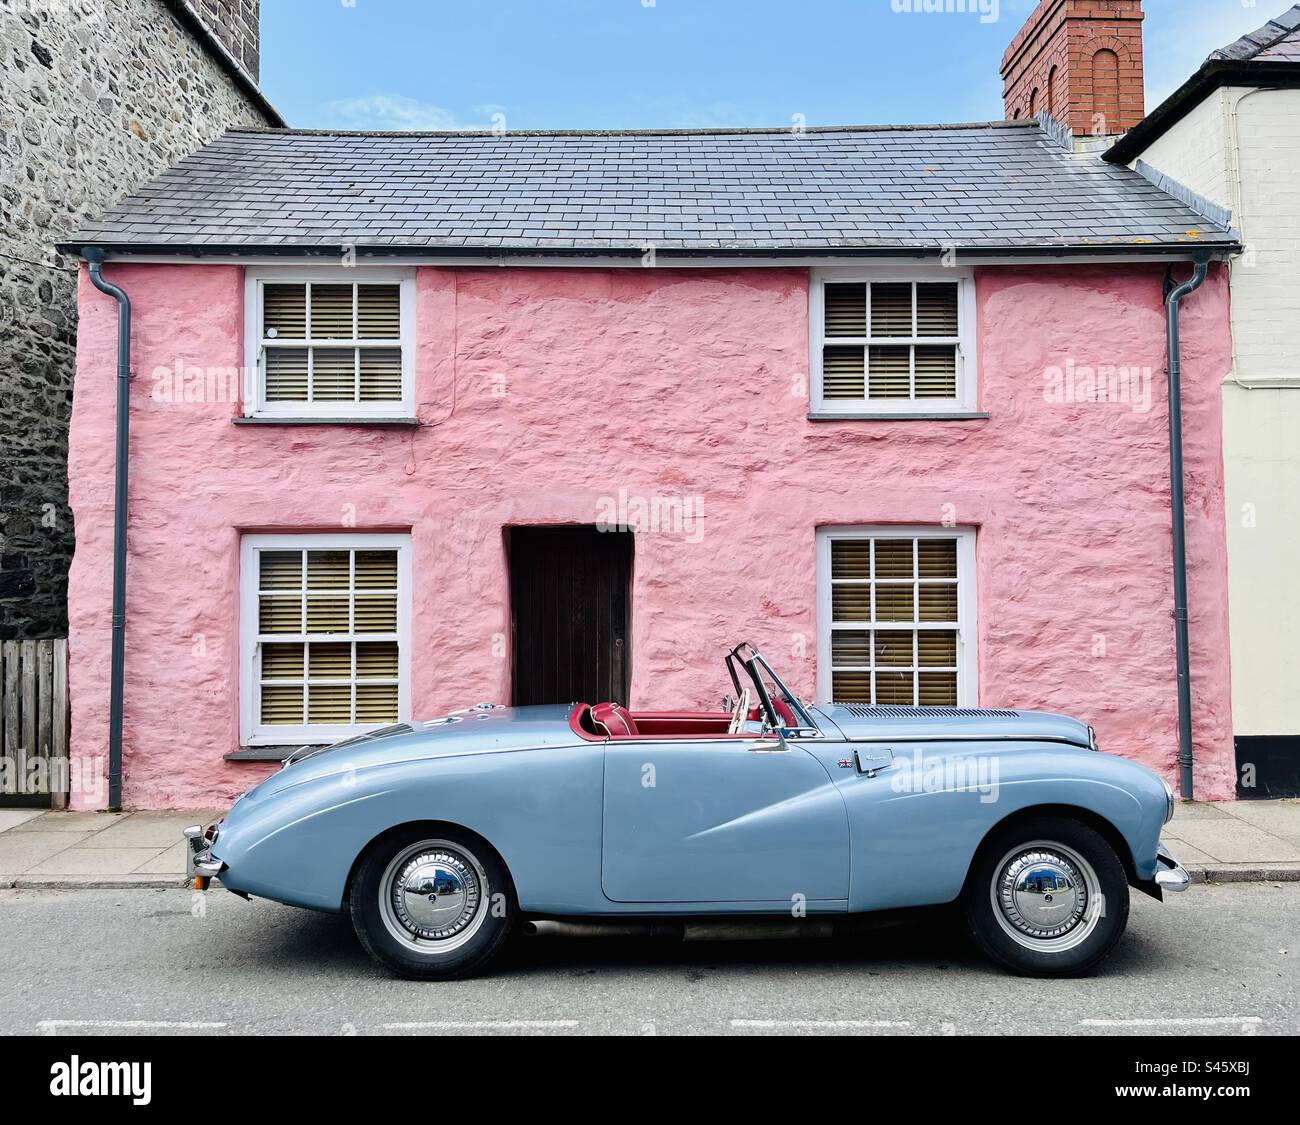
1047, 897
432, 903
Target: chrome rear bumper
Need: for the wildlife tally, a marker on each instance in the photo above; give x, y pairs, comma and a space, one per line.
199, 864
1170, 874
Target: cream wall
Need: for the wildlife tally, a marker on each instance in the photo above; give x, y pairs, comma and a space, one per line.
1241, 148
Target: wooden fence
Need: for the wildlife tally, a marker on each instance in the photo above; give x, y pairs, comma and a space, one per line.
34, 722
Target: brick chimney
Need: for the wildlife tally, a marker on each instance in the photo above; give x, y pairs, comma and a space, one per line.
1081, 60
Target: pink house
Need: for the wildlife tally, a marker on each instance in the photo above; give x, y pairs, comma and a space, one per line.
424, 420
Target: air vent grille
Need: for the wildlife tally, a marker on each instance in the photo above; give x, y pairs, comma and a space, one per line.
866, 711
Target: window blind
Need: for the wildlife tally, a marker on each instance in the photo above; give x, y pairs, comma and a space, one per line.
330, 342
895, 620
890, 340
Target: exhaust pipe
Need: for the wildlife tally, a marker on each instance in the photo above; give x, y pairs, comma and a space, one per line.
547, 927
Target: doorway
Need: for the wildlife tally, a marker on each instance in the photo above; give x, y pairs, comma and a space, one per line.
569, 614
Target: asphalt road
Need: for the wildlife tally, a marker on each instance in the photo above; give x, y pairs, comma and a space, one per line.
1214, 960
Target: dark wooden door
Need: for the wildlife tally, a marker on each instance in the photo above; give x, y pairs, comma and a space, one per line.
569, 614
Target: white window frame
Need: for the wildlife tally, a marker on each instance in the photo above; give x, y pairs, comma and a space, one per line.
967, 341
252, 732
255, 404
966, 624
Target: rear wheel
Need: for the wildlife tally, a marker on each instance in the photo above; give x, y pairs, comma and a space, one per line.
1047, 897
431, 903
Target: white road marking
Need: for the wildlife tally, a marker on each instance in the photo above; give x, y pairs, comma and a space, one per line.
493, 1025
1246, 1023
767, 1025
49, 1027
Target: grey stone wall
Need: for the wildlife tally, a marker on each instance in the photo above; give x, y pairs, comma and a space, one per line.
96, 97
236, 24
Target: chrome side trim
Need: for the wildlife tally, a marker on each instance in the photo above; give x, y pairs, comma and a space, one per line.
892, 738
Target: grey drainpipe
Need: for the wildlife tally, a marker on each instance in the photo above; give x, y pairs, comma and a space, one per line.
1173, 295
95, 260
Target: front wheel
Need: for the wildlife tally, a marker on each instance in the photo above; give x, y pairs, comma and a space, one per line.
1047, 897
432, 903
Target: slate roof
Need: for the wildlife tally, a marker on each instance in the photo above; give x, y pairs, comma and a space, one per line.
998, 186
1277, 41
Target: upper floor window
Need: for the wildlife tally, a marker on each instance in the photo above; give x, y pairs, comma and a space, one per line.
330, 343
893, 343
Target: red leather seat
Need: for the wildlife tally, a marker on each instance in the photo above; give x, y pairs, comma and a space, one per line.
783, 712
616, 721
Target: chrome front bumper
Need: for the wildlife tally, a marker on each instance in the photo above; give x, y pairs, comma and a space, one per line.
1170, 874
199, 864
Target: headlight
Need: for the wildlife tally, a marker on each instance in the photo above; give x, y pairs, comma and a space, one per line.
1169, 800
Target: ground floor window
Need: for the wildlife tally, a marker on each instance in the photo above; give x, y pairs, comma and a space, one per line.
896, 616
325, 635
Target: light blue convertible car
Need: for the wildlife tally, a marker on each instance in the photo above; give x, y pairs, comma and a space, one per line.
441, 838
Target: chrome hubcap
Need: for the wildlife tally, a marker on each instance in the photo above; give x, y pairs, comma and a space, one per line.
435, 895
1042, 894
1046, 897
432, 896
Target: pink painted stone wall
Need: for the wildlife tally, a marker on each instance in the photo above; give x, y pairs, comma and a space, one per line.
657, 381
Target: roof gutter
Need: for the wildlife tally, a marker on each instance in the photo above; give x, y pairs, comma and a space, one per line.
1224, 245
1174, 294
94, 256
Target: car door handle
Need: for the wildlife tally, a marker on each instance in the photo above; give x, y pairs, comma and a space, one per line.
871, 762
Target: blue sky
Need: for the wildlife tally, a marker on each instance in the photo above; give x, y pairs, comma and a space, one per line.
605, 64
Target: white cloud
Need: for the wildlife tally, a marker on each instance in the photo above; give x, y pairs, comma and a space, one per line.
390, 111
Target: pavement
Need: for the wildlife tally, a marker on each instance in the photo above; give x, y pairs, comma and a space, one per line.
1218, 842
1216, 960
39, 848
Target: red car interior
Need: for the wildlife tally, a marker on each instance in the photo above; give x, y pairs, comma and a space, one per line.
610, 720
615, 721
662, 723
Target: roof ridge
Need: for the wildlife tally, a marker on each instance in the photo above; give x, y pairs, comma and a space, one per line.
1286, 29
705, 132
